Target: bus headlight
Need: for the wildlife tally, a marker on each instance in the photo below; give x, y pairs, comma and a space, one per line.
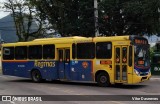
137, 72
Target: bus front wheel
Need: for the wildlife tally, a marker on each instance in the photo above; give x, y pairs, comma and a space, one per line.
36, 76
103, 80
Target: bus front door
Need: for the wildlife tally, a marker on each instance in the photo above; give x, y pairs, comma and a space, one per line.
121, 59
63, 63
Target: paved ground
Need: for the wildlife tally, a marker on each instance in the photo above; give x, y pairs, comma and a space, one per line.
19, 86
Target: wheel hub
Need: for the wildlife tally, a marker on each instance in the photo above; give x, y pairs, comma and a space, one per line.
103, 79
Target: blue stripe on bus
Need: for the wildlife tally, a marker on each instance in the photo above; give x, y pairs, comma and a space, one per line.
75, 70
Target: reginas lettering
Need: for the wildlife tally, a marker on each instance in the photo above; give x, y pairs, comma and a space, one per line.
43, 64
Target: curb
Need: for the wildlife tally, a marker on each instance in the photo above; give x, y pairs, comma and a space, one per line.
154, 78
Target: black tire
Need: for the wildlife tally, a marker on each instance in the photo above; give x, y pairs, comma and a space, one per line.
36, 76
103, 80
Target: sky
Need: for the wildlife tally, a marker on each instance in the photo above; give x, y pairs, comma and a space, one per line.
153, 39
2, 13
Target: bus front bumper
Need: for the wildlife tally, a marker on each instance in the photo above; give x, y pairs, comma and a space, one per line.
139, 79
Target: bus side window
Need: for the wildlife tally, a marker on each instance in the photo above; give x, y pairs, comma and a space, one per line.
35, 52
103, 50
67, 55
73, 50
49, 51
8, 53
86, 50
130, 56
20, 52
60, 55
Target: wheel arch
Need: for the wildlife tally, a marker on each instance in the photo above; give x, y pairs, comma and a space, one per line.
34, 70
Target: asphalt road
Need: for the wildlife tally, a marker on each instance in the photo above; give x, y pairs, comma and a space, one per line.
19, 86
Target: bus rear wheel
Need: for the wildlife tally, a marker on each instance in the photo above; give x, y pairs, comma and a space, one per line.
36, 76
103, 80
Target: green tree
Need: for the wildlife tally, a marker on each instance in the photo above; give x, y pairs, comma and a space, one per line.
23, 15
69, 17
122, 17
116, 17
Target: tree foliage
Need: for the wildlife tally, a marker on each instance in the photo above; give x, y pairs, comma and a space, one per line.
69, 17
23, 14
130, 17
116, 17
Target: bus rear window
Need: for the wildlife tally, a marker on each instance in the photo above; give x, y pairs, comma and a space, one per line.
8, 53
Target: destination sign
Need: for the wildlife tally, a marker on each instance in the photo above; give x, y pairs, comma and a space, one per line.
140, 41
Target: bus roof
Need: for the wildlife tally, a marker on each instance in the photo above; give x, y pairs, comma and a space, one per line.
74, 39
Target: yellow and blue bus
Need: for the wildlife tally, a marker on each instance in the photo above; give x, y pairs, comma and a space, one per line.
105, 60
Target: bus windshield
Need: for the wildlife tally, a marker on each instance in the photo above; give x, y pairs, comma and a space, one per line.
142, 55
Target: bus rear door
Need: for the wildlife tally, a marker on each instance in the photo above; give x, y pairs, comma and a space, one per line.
120, 64
63, 63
